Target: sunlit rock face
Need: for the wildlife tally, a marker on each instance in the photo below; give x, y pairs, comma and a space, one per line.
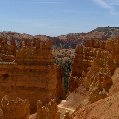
103, 109
100, 79
27, 70
15, 108
93, 67
50, 111
84, 57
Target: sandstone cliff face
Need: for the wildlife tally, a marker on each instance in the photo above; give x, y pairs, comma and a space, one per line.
83, 60
49, 111
93, 66
96, 77
80, 66
113, 47
28, 71
99, 88
115, 86
104, 108
103, 63
20, 109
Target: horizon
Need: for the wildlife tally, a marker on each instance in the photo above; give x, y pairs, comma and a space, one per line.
57, 17
59, 34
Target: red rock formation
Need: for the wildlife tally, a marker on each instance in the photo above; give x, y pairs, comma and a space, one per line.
81, 64
93, 57
99, 88
49, 111
115, 86
93, 67
30, 72
95, 43
67, 116
113, 47
15, 109
20, 109
102, 63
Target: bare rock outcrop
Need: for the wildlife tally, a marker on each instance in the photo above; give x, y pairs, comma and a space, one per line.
82, 63
115, 86
49, 111
27, 70
20, 109
103, 109
99, 88
15, 109
80, 66
67, 116
93, 67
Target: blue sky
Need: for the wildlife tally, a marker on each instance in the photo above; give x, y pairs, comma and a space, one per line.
56, 17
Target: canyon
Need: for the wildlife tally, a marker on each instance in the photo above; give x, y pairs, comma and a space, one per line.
73, 76
28, 71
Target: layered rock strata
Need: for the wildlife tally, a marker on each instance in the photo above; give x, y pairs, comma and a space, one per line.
27, 70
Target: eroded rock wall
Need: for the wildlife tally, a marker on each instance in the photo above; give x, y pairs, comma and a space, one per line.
84, 57
93, 66
15, 109
50, 111
28, 71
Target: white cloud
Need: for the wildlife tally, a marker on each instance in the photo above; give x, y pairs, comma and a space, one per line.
109, 5
113, 2
104, 4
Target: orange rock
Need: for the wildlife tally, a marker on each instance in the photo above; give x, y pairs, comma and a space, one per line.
30, 72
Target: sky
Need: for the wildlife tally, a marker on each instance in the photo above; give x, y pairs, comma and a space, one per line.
57, 17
